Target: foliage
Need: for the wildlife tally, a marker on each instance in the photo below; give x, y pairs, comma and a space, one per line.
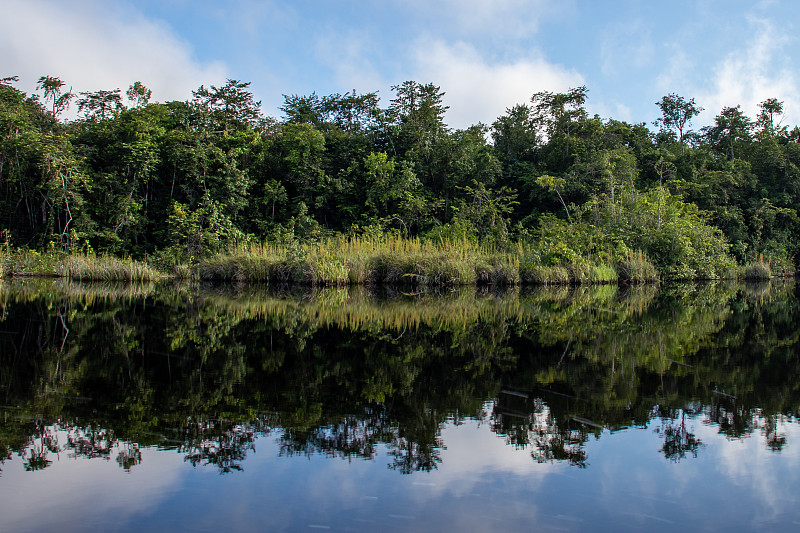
181, 181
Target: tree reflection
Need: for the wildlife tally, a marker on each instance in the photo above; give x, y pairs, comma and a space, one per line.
678, 440
346, 373
527, 421
226, 451
409, 456
42, 444
129, 455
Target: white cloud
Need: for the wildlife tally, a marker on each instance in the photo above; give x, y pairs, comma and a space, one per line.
677, 72
480, 91
71, 489
752, 74
748, 463
625, 46
477, 19
613, 109
349, 58
91, 45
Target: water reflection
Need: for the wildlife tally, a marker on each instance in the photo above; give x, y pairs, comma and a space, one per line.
207, 370
448, 387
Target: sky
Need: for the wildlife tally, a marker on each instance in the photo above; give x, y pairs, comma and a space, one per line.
486, 55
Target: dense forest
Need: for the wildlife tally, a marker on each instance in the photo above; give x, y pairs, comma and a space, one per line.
179, 181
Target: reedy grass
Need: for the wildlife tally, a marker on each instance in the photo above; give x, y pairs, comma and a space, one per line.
603, 273
30, 263
634, 267
395, 261
576, 273
27, 289
757, 270
545, 275
763, 268
356, 260
105, 268
25, 262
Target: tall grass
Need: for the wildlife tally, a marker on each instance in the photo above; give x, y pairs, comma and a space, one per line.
763, 268
757, 270
368, 261
634, 267
30, 263
105, 268
24, 262
579, 272
395, 261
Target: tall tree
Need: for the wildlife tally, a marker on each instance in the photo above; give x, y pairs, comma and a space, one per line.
52, 91
138, 94
418, 111
231, 107
557, 112
730, 126
100, 105
677, 114
770, 110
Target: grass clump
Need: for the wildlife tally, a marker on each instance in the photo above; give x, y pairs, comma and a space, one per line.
24, 262
636, 268
545, 275
603, 273
105, 268
758, 270
369, 261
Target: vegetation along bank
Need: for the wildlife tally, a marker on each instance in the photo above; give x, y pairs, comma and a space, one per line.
342, 190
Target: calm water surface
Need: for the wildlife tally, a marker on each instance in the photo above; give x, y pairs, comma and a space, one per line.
206, 408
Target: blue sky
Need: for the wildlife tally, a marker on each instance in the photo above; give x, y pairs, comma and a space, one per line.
485, 55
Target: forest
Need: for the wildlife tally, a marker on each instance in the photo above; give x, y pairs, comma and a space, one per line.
546, 193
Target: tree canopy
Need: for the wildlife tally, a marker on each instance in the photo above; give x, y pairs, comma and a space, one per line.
174, 180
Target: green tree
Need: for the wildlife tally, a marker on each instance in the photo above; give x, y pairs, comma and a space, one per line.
556, 113
52, 91
677, 114
231, 107
770, 117
731, 127
100, 105
138, 94
554, 184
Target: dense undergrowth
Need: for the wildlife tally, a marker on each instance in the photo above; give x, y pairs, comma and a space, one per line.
382, 262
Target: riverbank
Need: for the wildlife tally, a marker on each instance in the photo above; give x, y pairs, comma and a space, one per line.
356, 261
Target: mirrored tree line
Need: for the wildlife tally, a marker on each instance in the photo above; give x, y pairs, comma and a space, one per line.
207, 370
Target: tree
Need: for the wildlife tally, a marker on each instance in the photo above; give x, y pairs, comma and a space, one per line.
52, 91
303, 148
391, 190
8, 80
556, 112
100, 105
418, 112
351, 111
138, 94
730, 126
62, 181
554, 184
677, 115
230, 107
417, 131
514, 134
304, 109
770, 110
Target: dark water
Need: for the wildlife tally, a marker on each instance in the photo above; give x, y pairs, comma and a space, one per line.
200, 408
